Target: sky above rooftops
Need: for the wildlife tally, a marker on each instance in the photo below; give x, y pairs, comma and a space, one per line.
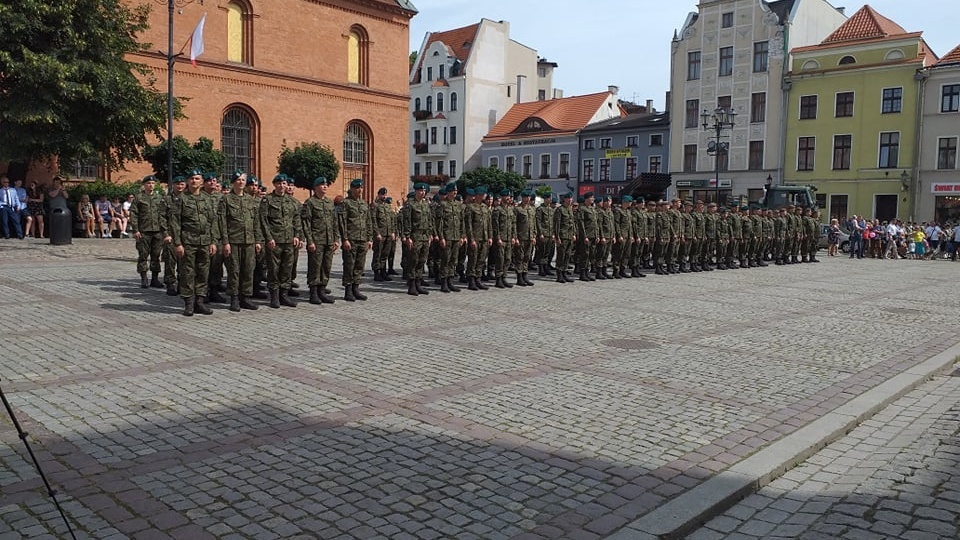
627, 42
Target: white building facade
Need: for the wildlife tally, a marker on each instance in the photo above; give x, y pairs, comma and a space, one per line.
463, 82
732, 54
938, 184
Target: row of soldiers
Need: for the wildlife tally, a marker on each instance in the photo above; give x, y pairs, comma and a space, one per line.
482, 236
197, 230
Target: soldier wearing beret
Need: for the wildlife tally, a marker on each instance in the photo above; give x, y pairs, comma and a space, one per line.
211, 188
382, 234
145, 219
449, 229
711, 230
504, 238
321, 234
416, 231
546, 244
588, 231
356, 237
624, 237
565, 231
239, 214
688, 238
281, 228
195, 232
291, 191
698, 248
525, 216
170, 261
639, 250
479, 234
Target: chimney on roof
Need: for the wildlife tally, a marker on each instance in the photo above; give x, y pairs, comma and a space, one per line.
842, 10
649, 105
613, 89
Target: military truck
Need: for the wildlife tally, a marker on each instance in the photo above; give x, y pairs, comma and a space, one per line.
775, 197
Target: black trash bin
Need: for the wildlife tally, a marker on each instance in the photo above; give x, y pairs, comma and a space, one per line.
61, 226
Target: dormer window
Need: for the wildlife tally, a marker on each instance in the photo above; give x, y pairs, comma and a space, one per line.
533, 125
847, 60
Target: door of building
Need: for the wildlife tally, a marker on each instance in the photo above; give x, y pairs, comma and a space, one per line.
885, 207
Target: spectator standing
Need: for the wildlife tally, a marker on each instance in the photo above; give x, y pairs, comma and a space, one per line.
833, 238
26, 219
35, 206
893, 237
9, 209
856, 237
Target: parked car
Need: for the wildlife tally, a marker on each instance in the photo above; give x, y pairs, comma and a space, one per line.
844, 239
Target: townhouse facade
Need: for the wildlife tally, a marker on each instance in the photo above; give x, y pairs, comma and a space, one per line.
731, 55
616, 153
937, 191
462, 83
852, 126
540, 140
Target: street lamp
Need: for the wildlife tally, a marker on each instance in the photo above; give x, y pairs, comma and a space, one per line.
715, 123
904, 181
171, 4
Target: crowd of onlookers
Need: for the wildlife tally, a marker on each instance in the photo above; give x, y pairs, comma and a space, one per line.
24, 211
894, 239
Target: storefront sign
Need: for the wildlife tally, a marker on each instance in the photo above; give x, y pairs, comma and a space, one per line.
944, 188
605, 188
618, 153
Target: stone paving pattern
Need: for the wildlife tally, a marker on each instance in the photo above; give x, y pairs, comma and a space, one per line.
559, 411
895, 476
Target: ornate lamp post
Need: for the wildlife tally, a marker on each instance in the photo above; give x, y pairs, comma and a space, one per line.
171, 4
715, 123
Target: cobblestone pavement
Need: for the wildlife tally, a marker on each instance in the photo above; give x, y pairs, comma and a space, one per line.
558, 411
895, 476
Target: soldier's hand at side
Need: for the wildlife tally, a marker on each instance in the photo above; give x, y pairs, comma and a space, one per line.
393, 236
213, 249
137, 235
369, 245
167, 239
379, 237
271, 245
534, 242
473, 243
257, 248
336, 246
489, 241
296, 243
226, 250
311, 248
346, 245
443, 242
178, 251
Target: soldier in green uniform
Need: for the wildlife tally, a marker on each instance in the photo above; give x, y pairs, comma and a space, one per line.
663, 233
239, 214
195, 232
291, 191
211, 188
356, 237
699, 239
416, 231
145, 218
650, 215
170, 260
779, 235
767, 228
525, 216
391, 244
565, 232
435, 254
601, 252
504, 237
588, 232
546, 244
380, 214
724, 236
641, 247
479, 234
280, 223
320, 233
736, 234
449, 229
687, 239
710, 238
624, 237
800, 234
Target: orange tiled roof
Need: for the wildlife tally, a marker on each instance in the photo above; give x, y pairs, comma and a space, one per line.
458, 41
865, 24
952, 57
564, 114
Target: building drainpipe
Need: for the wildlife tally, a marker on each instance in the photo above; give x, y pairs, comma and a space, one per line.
914, 193
785, 103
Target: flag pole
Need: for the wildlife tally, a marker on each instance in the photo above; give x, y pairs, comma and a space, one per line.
170, 93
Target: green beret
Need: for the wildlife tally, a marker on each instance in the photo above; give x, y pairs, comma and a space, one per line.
640, 199
279, 178
177, 179
436, 197
382, 191
411, 195
470, 192
742, 208
481, 190
388, 200
209, 176
580, 200
195, 172
442, 190
451, 187
237, 174
251, 180
148, 178
356, 183
688, 202
320, 180
626, 198
422, 185
504, 192
567, 195
587, 195
554, 199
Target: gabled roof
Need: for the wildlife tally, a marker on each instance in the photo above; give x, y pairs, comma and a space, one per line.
632, 121
865, 24
952, 57
782, 8
561, 115
458, 41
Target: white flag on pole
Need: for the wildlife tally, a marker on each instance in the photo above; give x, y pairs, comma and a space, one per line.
196, 41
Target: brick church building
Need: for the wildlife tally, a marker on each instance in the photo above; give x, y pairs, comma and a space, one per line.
286, 71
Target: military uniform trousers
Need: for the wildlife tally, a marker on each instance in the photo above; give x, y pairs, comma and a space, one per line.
293, 265
216, 268
149, 247
194, 270
620, 253
240, 265
661, 251
170, 265
522, 254
354, 260
546, 249
707, 250
279, 266
585, 250
502, 260
319, 264
416, 258
377, 256
477, 258
564, 253
449, 255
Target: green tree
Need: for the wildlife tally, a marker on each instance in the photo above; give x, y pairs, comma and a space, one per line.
493, 179
305, 162
199, 155
67, 87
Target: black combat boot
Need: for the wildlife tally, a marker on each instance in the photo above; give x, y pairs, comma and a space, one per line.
172, 289
548, 270
245, 304
144, 282
520, 281
385, 276
378, 275
566, 276
214, 296
814, 259
348, 293
155, 281
314, 297
412, 288
500, 283
444, 287
526, 281
275, 298
234, 303
540, 270
258, 292
451, 286
480, 284
583, 275
761, 263
472, 284
285, 298
188, 307
560, 277
390, 270
506, 283
420, 287
357, 294
201, 307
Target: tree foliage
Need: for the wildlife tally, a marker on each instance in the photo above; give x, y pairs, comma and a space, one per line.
102, 187
68, 89
199, 155
493, 179
305, 162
